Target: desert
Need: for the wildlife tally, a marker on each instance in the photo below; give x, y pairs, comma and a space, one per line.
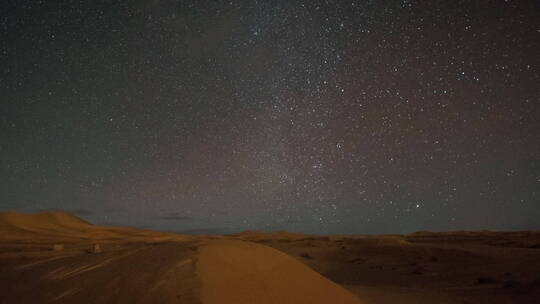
270, 152
51, 257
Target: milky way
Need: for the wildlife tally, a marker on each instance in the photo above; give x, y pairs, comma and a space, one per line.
309, 116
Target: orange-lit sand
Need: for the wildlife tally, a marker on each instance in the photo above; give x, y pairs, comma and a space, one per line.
243, 272
143, 266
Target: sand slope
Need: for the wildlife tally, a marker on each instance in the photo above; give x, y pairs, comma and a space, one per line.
144, 266
162, 273
65, 227
41, 220
244, 272
141, 266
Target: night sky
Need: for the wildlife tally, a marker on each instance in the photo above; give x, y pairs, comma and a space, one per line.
307, 116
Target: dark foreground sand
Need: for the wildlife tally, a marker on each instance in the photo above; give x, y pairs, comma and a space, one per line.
142, 266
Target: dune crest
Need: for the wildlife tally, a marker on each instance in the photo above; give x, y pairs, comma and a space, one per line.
42, 220
244, 272
63, 259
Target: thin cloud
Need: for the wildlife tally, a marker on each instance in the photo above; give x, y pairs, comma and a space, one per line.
175, 217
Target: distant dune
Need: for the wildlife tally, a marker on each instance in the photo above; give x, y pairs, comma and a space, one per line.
55, 257
42, 220
60, 225
150, 267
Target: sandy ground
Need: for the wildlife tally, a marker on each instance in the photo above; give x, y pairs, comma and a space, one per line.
244, 272
458, 267
142, 266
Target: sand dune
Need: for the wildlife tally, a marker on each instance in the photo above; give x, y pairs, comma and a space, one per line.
243, 272
143, 266
226, 271
63, 226
42, 220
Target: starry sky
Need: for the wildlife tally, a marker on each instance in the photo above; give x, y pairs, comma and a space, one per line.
308, 116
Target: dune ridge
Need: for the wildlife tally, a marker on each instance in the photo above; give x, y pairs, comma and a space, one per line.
187, 270
48, 257
42, 220
242, 272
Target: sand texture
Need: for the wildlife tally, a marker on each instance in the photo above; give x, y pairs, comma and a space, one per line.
55, 257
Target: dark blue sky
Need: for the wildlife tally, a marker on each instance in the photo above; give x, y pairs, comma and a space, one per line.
309, 116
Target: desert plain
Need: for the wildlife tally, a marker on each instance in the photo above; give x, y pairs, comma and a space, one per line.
56, 257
